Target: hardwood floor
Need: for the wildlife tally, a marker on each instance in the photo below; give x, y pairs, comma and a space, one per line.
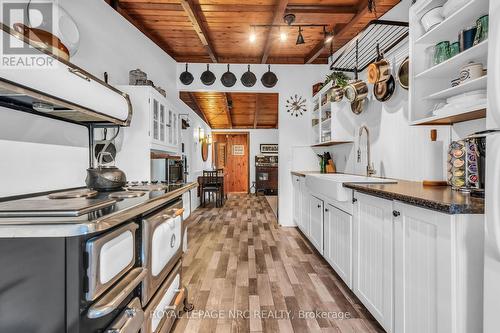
247, 274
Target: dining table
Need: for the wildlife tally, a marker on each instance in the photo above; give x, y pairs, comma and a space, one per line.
202, 180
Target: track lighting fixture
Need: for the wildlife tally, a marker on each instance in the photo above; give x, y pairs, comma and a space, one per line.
300, 38
328, 35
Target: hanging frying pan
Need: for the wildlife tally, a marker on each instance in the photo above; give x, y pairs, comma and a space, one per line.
207, 77
403, 72
269, 79
186, 77
378, 70
248, 78
385, 89
358, 106
228, 79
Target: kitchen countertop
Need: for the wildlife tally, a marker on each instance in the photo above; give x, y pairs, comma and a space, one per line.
438, 198
122, 211
304, 173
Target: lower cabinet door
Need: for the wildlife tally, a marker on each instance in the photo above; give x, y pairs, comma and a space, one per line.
305, 219
296, 201
373, 271
424, 297
316, 220
338, 242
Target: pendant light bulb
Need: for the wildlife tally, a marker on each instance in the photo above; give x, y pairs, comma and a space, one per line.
300, 38
283, 35
253, 36
328, 35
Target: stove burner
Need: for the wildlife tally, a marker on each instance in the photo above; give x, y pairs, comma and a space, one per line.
126, 194
82, 193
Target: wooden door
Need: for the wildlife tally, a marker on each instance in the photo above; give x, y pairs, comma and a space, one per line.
235, 148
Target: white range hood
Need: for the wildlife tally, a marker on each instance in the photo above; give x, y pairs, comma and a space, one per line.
62, 90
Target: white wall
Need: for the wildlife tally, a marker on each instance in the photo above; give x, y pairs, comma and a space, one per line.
292, 79
109, 43
257, 137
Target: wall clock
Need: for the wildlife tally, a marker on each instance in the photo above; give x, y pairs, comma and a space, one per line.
296, 105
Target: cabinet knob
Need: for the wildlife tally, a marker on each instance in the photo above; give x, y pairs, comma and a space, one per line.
326, 210
319, 206
354, 200
395, 213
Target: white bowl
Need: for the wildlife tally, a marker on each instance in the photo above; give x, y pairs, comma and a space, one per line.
432, 18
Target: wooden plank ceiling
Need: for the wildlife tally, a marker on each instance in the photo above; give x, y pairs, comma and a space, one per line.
234, 110
218, 30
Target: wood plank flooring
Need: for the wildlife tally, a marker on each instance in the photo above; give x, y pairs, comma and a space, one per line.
245, 273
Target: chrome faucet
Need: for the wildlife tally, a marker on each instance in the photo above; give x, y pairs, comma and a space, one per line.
370, 169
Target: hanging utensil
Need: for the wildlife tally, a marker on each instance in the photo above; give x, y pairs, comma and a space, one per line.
248, 78
403, 73
357, 90
269, 79
358, 106
228, 79
385, 89
207, 77
378, 70
43, 40
186, 77
107, 146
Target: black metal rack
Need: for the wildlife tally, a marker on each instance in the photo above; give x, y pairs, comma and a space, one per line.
387, 34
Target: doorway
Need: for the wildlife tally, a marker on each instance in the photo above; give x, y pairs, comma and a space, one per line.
231, 153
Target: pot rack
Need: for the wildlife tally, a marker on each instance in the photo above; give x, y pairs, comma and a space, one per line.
362, 49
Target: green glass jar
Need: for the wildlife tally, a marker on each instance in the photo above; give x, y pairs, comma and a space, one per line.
482, 29
442, 52
454, 49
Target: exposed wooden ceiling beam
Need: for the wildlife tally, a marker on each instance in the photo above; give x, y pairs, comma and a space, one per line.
158, 41
279, 11
321, 9
256, 113
318, 49
199, 110
199, 27
229, 104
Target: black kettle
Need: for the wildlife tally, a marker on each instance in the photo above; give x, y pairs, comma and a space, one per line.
105, 177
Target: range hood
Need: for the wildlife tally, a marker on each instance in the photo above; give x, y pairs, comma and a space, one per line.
62, 91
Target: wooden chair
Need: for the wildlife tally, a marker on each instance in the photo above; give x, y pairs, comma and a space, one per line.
211, 185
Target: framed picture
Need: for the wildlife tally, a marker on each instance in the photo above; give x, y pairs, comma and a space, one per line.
238, 150
269, 148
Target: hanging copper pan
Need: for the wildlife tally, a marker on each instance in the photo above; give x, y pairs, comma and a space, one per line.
379, 70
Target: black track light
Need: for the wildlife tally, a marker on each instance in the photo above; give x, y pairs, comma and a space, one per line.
300, 38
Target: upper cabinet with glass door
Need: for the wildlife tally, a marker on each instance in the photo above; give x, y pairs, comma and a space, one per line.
164, 124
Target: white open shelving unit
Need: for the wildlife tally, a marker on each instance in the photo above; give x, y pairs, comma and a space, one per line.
328, 122
430, 86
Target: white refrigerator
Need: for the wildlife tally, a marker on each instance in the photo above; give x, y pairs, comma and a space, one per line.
492, 209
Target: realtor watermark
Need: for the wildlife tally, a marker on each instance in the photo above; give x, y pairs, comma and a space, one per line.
235, 314
35, 21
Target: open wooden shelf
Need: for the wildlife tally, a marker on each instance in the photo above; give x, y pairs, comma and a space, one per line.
451, 119
331, 143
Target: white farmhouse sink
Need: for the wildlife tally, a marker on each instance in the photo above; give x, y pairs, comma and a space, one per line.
332, 185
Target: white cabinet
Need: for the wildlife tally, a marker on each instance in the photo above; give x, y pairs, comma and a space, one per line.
297, 207
154, 126
438, 271
316, 222
338, 242
301, 204
305, 220
373, 257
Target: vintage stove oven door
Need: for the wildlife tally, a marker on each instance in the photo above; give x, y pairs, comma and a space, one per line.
161, 312
110, 256
161, 246
130, 320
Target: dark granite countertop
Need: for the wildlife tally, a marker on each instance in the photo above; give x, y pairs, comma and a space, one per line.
439, 198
